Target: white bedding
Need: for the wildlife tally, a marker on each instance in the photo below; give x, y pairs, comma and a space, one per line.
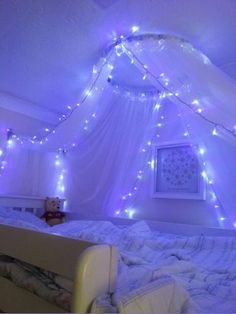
203, 268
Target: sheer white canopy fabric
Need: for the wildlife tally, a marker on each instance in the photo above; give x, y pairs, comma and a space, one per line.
108, 138
206, 98
176, 66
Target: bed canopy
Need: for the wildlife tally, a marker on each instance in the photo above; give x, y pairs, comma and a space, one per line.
109, 134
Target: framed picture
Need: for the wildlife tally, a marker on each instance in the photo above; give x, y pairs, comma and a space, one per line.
178, 172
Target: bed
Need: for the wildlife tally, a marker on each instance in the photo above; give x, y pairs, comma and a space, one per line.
162, 267
92, 267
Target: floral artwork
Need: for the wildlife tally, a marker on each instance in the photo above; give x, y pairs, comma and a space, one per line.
177, 171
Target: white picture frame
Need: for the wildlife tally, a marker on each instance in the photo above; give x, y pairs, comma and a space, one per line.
178, 172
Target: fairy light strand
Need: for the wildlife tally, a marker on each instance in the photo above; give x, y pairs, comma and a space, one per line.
200, 152
164, 87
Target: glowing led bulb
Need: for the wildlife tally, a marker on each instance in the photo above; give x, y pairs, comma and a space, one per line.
110, 66
214, 132
10, 143
157, 107
130, 212
222, 218
57, 162
62, 188
134, 28
195, 102
95, 71
151, 163
1, 152
201, 151
88, 93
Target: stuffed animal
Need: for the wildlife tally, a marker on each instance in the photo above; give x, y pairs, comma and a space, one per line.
52, 214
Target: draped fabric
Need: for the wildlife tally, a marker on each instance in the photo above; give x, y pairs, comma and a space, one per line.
109, 138
110, 159
182, 69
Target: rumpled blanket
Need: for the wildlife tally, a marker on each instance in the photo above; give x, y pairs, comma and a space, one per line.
46, 285
205, 267
159, 296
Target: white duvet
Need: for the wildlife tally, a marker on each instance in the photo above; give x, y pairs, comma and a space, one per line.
201, 270
204, 266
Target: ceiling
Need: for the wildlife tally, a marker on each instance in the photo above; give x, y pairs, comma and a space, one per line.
48, 47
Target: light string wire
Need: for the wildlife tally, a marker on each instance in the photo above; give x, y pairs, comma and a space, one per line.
200, 152
171, 93
145, 148
66, 116
5, 149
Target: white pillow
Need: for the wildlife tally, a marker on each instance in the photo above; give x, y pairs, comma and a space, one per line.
139, 228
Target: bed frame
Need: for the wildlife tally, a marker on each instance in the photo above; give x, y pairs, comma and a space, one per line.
92, 267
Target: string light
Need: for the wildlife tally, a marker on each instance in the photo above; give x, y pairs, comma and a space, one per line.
164, 82
146, 149
135, 29
97, 71
214, 132
200, 152
9, 143
60, 164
